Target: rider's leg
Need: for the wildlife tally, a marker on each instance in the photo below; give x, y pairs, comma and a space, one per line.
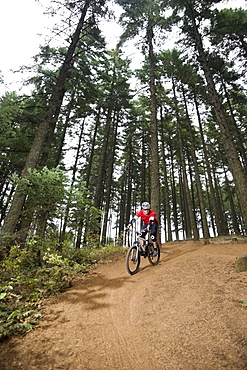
143, 234
155, 245
141, 242
153, 233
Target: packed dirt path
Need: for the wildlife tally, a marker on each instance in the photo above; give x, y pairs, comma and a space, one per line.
184, 313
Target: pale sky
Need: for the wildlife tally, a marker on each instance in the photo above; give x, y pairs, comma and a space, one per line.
21, 24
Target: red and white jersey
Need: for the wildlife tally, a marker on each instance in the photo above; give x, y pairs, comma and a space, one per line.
151, 216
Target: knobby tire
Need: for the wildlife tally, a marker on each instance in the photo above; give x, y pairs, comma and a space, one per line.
133, 260
153, 260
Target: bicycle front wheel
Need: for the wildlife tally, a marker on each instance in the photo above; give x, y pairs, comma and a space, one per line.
133, 260
153, 260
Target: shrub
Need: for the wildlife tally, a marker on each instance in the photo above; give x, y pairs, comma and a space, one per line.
32, 274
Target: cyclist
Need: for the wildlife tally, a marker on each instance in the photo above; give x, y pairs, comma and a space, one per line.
150, 223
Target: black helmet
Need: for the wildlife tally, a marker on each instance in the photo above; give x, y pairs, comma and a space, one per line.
145, 205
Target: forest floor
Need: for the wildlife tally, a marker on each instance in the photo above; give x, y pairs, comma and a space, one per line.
185, 313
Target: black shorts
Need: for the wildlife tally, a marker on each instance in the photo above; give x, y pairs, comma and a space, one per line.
153, 231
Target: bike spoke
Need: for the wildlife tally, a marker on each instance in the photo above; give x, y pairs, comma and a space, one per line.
133, 260
153, 260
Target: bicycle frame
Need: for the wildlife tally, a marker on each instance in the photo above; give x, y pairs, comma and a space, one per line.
136, 250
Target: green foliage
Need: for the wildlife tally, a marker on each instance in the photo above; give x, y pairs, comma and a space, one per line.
28, 278
81, 208
18, 122
97, 96
45, 189
230, 22
243, 303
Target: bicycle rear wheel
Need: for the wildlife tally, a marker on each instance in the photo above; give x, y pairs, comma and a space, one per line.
153, 260
133, 260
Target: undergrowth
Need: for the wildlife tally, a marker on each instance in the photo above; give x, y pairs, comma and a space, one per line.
32, 274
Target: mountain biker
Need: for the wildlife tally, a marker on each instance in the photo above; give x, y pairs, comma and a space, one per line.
150, 223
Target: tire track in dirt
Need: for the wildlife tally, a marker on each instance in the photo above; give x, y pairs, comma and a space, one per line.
97, 324
163, 318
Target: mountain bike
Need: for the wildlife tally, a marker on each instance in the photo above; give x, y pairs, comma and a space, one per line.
136, 250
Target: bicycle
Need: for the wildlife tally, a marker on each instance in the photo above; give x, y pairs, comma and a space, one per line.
135, 251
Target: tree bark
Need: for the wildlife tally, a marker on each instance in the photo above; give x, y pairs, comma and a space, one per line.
167, 210
50, 118
189, 205
75, 167
216, 219
109, 177
154, 170
236, 168
235, 222
236, 129
205, 228
174, 196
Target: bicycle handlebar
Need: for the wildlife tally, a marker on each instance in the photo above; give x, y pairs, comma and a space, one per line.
137, 232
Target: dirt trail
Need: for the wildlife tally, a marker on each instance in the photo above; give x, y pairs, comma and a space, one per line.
182, 314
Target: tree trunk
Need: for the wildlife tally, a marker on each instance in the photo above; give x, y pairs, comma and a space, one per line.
220, 204
143, 169
90, 160
50, 117
58, 154
122, 219
235, 222
66, 213
212, 197
4, 206
98, 197
189, 205
174, 196
154, 153
82, 224
109, 178
236, 129
167, 206
197, 175
238, 173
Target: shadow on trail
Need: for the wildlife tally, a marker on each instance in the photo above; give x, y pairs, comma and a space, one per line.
93, 293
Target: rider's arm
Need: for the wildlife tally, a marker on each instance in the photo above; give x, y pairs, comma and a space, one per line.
152, 218
133, 221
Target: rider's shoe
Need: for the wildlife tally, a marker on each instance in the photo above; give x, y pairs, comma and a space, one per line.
155, 252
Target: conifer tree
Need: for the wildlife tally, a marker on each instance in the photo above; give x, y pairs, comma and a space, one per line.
193, 13
50, 116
